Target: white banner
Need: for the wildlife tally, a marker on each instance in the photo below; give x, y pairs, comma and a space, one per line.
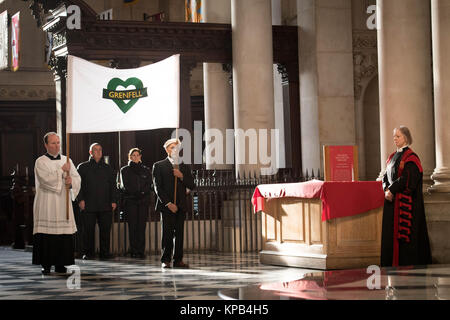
3, 40
101, 99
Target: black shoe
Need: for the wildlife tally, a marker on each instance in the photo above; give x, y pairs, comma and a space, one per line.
60, 269
166, 265
45, 270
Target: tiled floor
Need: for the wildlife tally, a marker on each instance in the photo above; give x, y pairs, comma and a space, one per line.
212, 277
131, 279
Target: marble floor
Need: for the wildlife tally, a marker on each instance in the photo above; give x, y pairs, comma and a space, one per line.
214, 276
125, 278
431, 282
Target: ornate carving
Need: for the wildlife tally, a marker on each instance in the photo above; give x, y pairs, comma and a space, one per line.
59, 66
125, 63
41, 8
284, 73
59, 39
27, 93
365, 59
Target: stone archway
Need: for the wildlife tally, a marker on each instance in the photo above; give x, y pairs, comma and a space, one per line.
370, 104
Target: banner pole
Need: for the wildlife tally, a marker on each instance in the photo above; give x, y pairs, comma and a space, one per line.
67, 161
120, 153
176, 179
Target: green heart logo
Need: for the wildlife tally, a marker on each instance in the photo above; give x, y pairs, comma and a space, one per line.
119, 96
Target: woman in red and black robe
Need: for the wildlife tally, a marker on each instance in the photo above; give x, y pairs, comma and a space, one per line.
404, 238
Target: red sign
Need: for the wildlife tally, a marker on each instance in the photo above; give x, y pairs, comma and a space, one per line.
15, 41
341, 164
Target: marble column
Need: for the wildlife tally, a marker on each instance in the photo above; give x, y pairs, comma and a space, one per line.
253, 95
218, 93
326, 78
404, 64
440, 14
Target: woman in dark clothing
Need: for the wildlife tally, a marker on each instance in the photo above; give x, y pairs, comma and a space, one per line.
136, 184
404, 238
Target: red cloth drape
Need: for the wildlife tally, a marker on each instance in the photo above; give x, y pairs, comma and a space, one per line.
339, 199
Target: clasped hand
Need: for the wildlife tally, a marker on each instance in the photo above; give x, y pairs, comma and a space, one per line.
177, 173
172, 207
388, 195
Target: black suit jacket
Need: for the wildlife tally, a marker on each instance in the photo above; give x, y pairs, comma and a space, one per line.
98, 186
164, 184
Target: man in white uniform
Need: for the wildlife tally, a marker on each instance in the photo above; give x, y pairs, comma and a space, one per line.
52, 231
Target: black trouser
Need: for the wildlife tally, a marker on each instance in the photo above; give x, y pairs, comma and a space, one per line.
137, 213
172, 226
104, 224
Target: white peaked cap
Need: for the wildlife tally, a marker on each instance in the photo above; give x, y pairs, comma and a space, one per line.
170, 141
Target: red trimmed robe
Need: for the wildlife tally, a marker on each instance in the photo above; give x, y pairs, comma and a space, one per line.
404, 238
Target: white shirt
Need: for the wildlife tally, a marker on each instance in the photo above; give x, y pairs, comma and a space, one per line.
402, 148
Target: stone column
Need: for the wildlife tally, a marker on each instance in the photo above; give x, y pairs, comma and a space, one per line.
278, 95
252, 83
326, 78
218, 94
437, 204
440, 14
404, 64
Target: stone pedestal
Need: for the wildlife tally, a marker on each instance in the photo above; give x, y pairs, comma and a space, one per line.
437, 210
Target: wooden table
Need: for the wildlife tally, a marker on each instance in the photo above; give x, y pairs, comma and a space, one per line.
296, 234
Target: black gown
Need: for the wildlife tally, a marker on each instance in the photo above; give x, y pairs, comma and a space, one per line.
403, 178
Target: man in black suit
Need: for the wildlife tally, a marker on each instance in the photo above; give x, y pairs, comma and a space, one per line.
172, 214
97, 201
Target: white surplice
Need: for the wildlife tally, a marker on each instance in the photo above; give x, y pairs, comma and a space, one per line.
49, 208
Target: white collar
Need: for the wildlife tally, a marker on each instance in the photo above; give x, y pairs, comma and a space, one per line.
171, 160
402, 149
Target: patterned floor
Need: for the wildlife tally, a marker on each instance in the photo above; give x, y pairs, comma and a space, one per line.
132, 279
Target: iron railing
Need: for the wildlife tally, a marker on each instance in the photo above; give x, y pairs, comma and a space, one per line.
220, 215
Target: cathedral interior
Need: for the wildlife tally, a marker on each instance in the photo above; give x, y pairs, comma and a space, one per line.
320, 72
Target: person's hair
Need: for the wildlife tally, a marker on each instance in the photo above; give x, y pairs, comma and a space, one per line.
51, 133
93, 145
134, 150
405, 131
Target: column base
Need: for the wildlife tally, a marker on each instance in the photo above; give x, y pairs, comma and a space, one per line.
437, 210
441, 179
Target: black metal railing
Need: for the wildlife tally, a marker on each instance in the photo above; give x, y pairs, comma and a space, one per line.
220, 217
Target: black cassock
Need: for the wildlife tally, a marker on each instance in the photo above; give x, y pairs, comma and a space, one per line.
404, 238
